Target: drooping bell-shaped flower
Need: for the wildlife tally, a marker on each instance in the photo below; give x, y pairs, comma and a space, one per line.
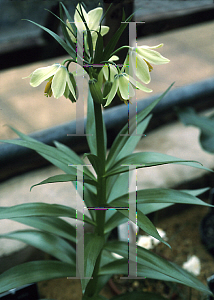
124, 85
140, 60
59, 81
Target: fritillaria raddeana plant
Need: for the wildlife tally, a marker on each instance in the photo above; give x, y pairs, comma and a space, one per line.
106, 189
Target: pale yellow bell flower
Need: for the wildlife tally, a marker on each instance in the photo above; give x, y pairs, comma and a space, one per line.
143, 57
124, 85
58, 80
92, 19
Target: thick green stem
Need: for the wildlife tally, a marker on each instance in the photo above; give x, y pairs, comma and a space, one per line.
101, 193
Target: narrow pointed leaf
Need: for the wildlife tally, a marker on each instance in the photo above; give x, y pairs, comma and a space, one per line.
145, 224
98, 55
33, 272
62, 178
159, 195
95, 161
93, 246
154, 262
149, 159
67, 48
90, 126
46, 242
122, 136
41, 209
56, 156
52, 225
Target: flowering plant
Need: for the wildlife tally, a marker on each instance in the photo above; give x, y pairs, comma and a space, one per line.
107, 198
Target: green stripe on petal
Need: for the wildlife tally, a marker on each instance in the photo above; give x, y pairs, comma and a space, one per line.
41, 74
59, 82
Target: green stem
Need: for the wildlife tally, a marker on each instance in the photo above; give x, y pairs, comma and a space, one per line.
101, 193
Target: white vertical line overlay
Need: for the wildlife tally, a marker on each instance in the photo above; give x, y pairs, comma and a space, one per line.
132, 245
80, 227
132, 104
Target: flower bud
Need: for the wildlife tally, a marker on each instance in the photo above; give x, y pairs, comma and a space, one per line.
96, 91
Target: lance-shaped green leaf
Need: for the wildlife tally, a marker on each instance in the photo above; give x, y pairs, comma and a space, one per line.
149, 159
120, 266
46, 242
70, 153
152, 202
90, 126
56, 156
145, 224
133, 140
154, 262
115, 220
93, 246
159, 195
41, 209
59, 40
63, 178
95, 161
52, 225
65, 29
98, 55
125, 134
116, 185
33, 272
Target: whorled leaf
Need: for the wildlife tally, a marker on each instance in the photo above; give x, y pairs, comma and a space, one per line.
41, 209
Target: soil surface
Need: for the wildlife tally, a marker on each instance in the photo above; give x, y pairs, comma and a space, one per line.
183, 235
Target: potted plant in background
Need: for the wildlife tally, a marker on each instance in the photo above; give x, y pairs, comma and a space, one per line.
105, 195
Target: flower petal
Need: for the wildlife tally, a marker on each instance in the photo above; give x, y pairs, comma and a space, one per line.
139, 85
59, 82
142, 69
124, 86
112, 92
78, 20
104, 30
94, 17
41, 74
153, 47
152, 56
113, 72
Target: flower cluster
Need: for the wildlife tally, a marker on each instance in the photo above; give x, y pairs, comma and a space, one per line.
104, 82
